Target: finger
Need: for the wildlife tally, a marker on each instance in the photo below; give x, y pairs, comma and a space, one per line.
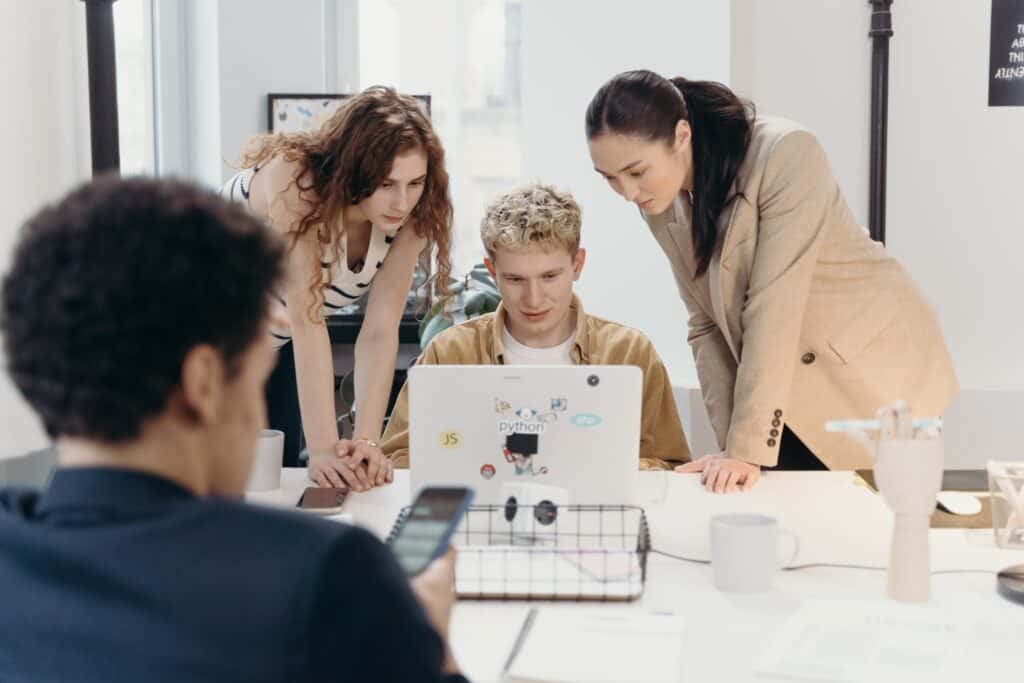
391, 471
382, 476
333, 478
710, 472
318, 478
348, 475
343, 448
360, 475
752, 478
692, 466
372, 464
731, 480
721, 480
356, 457
713, 479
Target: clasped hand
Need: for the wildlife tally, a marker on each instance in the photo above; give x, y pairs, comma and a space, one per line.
358, 465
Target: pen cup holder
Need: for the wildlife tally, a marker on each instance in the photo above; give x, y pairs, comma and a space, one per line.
1006, 491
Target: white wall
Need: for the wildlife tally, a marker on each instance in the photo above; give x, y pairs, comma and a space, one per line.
955, 179
570, 48
44, 134
809, 60
216, 61
279, 47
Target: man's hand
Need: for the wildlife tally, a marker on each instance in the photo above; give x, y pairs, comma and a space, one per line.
722, 474
435, 590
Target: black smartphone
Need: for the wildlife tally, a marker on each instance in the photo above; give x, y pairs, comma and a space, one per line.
424, 534
322, 500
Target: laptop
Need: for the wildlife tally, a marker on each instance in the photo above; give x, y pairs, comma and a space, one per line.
575, 427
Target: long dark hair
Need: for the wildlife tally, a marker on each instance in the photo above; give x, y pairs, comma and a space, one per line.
643, 104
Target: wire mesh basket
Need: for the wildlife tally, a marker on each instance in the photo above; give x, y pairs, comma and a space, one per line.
550, 552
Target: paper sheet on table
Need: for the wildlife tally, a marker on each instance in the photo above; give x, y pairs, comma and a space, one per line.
565, 645
838, 640
552, 573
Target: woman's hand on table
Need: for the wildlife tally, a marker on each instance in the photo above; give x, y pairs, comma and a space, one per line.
367, 462
722, 474
357, 465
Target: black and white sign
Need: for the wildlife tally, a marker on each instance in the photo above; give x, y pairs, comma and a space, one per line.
1006, 56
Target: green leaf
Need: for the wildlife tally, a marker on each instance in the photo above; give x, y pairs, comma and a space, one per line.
436, 325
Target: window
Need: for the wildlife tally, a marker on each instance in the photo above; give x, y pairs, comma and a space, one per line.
134, 58
466, 55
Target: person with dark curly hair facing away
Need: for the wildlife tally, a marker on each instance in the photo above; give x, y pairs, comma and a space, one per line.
135, 322
360, 200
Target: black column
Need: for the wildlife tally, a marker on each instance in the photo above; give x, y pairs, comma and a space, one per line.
881, 31
99, 25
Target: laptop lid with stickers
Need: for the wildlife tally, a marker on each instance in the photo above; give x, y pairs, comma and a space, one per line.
576, 427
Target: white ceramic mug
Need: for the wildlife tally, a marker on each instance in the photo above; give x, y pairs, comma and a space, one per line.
267, 461
744, 551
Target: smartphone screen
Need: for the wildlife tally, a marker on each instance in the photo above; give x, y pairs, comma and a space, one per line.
314, 498
428, 528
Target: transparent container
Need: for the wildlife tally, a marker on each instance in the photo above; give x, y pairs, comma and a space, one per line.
1006, 491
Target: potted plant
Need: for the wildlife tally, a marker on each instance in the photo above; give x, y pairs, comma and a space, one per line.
468, 297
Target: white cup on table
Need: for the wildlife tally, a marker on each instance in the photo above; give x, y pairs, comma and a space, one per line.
267, 461
745, 551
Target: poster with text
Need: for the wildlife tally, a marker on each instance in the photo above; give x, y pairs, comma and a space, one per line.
1006, 55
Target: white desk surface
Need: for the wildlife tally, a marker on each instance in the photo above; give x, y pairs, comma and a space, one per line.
836, 519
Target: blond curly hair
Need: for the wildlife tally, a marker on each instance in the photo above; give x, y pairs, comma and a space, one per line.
536, 214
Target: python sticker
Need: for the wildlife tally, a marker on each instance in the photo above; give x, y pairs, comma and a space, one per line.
520, 427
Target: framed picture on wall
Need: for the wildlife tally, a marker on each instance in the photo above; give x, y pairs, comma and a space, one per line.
297, 112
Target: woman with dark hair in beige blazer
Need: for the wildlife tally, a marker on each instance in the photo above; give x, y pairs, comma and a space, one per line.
796, 315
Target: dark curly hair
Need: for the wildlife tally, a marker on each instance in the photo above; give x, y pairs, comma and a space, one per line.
112, 286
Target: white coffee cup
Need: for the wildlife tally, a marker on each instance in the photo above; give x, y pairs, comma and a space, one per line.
267, 461
744, 551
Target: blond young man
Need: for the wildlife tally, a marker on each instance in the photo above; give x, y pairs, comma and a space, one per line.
532, 239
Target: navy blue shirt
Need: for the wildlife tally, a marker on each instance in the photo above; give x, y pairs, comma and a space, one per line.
113, 575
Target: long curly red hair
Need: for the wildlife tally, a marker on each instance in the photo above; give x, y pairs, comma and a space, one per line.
347, 159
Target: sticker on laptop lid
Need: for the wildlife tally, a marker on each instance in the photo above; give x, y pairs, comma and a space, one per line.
487, 471
585, 420
450, 439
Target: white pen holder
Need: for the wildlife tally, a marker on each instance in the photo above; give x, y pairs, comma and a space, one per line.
908, 474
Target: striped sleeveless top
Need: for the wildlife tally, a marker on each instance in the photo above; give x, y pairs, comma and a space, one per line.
344, 286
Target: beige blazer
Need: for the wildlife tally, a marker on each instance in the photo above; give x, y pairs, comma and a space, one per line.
800, 317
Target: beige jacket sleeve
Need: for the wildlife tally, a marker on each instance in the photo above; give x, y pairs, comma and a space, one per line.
662, 442
395, 442
796, 194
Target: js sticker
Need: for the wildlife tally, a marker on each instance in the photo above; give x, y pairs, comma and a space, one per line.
450, 439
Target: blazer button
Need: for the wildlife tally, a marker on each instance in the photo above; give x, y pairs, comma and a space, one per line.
808, 358
778, 413
776, 423
771, 443
774, 432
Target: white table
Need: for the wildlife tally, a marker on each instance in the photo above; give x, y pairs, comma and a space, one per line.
837, 519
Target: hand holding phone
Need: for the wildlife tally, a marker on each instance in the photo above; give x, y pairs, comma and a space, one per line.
426, 531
